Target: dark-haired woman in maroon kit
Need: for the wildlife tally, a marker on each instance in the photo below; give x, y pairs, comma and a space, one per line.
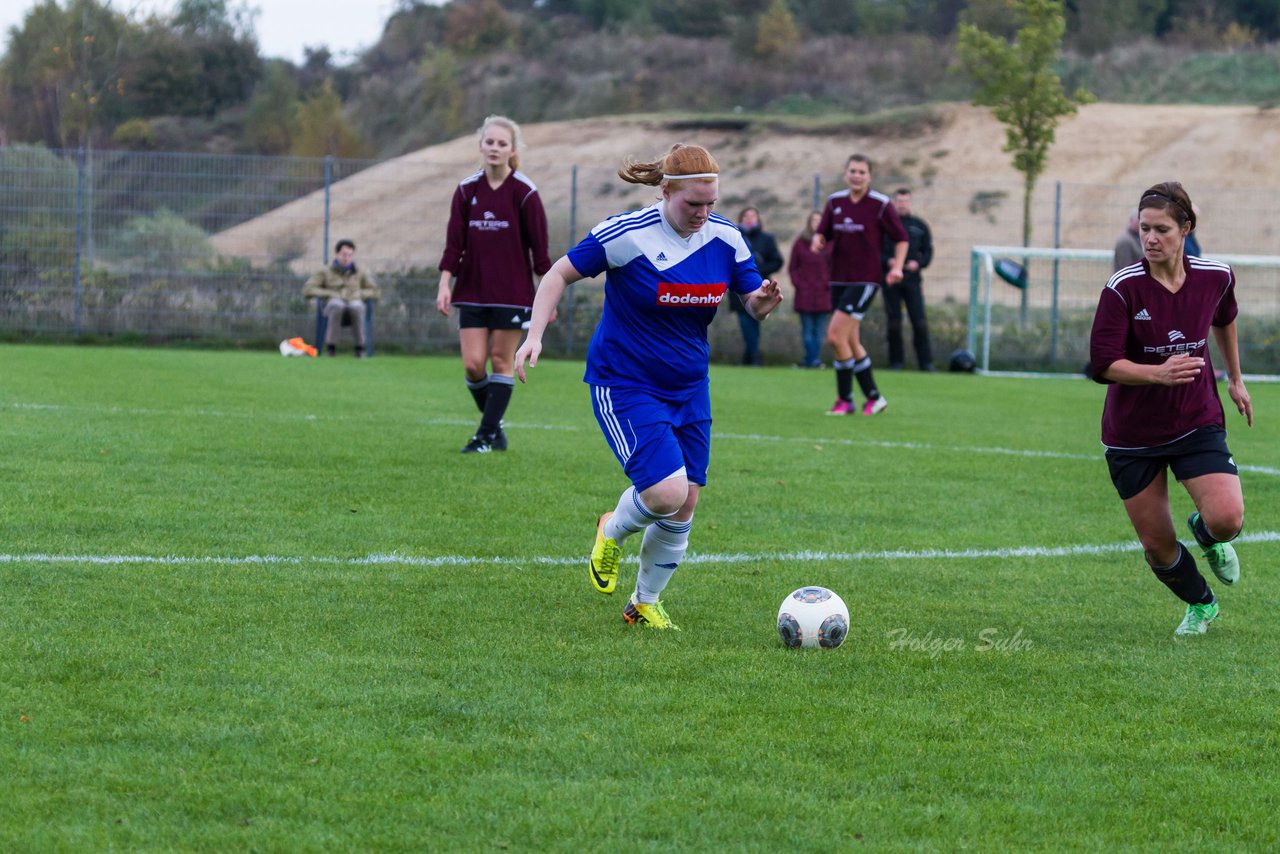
1150, 345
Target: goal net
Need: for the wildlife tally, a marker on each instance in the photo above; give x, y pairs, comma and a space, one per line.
1031, 309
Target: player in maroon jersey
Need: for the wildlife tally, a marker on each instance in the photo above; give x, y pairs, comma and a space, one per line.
497, 241
853, 222
1150, 345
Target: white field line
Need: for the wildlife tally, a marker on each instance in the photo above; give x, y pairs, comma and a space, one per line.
745, 437
394, 559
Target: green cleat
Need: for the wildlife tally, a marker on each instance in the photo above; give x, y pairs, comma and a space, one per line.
651, 616
603, 564
1197, 619
1221, 556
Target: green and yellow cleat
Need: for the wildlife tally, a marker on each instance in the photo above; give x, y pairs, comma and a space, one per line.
603, 564
651, 616
1221, 556
1197, 619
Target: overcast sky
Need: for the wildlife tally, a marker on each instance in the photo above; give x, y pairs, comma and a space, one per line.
284, 27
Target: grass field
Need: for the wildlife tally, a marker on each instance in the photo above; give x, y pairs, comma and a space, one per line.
250, 603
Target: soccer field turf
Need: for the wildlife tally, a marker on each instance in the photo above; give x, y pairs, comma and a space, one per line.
249, 602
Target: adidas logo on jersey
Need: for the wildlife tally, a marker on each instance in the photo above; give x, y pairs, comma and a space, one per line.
1142, 315
662, 256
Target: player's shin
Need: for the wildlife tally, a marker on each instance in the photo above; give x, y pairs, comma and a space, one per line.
661, 551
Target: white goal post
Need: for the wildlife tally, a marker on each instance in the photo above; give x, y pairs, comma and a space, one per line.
1042, 312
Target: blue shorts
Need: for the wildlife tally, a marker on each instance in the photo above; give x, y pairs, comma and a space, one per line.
654, 437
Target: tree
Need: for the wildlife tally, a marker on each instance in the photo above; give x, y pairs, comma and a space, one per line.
201, 61
323, 130
65, 71
271, 121
1017, 81
776, 32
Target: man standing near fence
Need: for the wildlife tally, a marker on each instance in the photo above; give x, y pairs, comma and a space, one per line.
910, 290
344, 288
1128, 249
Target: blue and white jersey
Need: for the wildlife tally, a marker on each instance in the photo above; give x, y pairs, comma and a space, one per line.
660, 295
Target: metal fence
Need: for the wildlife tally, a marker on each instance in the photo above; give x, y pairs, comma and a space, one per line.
172, 247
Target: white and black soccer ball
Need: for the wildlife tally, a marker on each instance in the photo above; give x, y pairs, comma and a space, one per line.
813, 616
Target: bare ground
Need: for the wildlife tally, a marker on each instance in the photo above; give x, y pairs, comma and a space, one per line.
965, 185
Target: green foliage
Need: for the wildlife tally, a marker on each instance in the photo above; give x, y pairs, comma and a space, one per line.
479, 26
323, 130
44, 236
178, 74
1098, 25
66, 71
444, 96
191, 74
776, 32
1015, 78
134, 135
1155, 73
161, 241
271, 121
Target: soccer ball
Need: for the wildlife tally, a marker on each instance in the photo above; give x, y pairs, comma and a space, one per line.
813, 616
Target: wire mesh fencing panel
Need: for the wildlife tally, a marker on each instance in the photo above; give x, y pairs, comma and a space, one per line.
163, 246
1044, 321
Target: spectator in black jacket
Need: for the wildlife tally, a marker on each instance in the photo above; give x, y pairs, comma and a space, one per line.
909, 290
768, 261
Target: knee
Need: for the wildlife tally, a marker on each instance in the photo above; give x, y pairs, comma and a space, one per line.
668, 497
1224, 523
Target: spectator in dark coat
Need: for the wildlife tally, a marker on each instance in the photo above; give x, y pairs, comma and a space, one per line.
910, 290
768, 261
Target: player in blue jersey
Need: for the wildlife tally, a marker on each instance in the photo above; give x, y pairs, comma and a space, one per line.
667, 267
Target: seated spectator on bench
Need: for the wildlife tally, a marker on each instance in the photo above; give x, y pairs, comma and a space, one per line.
344, 290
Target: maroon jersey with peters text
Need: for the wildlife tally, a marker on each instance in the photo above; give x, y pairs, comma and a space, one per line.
1140, 320
853, 231
497, 240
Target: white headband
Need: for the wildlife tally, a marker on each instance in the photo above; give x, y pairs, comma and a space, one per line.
666, 177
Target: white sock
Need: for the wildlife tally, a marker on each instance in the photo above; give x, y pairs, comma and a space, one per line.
629, 517
661, 551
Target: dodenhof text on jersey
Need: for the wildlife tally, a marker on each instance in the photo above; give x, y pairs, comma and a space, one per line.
673, 293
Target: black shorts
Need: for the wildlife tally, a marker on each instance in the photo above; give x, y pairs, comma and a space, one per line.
855, 299
493, 317
1202, 451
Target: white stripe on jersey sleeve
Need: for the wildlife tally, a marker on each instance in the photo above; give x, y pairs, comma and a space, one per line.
616, 225
1121, 275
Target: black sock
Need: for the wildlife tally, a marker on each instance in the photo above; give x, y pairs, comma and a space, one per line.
1184, 579
844, 379
1203, 537
862, 370
479, 391
495, 406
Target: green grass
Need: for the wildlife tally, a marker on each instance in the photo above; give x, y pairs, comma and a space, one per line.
259, 684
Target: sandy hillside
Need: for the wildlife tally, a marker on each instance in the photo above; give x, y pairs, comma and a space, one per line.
965, 186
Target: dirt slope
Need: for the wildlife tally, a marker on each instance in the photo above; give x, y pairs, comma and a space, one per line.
965, 185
